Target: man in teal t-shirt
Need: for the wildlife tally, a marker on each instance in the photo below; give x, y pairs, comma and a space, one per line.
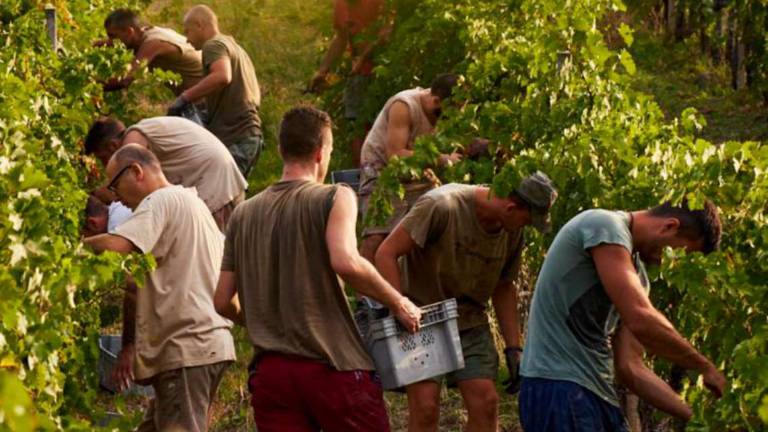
591, 314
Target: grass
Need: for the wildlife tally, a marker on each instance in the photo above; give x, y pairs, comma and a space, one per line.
679, 77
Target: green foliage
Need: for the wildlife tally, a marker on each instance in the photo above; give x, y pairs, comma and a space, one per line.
50, 284
544, 86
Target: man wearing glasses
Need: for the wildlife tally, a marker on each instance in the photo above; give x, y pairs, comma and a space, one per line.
182, 346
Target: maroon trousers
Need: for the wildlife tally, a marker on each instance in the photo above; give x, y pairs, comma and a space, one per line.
294, 394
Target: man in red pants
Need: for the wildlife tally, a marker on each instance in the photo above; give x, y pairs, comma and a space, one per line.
284, 253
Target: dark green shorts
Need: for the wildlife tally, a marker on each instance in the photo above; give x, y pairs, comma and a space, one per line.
480, 357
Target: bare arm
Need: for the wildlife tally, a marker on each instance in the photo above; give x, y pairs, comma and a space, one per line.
225, 299
505, 304
397, 244
648, 325
104, 242
129, 313
398, 130
384, 33
220, 76
357, 271
147, 52
335, 50
632, 372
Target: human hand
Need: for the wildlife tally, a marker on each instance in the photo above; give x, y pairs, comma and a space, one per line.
714, 381
512, 356
408, 314
122, 373
177, 107
318, 82
478, 147
450, 159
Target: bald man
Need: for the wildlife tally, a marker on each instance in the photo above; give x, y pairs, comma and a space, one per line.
229, 87
182, 345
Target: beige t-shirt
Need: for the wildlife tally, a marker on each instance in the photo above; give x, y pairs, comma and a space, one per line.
192, 156
233, 112
187, 61
456, 257
292, 300
176, 323
374, 152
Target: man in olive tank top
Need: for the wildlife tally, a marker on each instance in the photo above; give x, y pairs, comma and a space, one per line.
157, 46
286, 251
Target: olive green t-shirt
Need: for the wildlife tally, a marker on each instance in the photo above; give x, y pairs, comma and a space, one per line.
292, 301
456, 257
572, 319
233, 112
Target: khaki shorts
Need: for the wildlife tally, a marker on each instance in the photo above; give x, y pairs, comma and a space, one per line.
182, 398
400, 207
481, 360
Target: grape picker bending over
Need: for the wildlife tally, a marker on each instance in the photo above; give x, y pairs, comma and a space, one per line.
405, 116
182, 345
157, 46
285, 250
189, 155
464, 242
229, 87
591, 319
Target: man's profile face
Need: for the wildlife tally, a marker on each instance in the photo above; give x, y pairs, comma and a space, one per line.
327, 149
193, 31
125, 186
127, 35
668, 235
515, 216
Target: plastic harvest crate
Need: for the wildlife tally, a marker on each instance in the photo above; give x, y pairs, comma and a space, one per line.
403, 358
109, 348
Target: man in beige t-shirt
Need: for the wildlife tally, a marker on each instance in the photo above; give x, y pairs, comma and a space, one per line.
405, 117
189, 154
464, 242
182, 345
157, 46
230, 88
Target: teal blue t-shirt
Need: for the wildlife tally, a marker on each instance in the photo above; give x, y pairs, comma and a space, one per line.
572, 319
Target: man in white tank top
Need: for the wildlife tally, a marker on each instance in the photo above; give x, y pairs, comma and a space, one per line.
157, 46
405, 116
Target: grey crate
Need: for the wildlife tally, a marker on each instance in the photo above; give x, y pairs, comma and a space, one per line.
349, 176
109, 348
402, 358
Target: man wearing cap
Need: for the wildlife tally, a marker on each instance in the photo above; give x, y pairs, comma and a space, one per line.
465, 242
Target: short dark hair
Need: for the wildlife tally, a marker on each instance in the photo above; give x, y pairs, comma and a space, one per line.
443, 84
94, 207
301, 132
135, 153
101, 131
703, 224
122, 18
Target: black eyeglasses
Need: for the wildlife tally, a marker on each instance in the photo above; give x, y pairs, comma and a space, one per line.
112, 186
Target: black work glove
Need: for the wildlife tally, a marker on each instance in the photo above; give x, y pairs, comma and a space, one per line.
512, 385
177, 107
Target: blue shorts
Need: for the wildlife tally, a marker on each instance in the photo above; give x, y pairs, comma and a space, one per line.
562, 406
